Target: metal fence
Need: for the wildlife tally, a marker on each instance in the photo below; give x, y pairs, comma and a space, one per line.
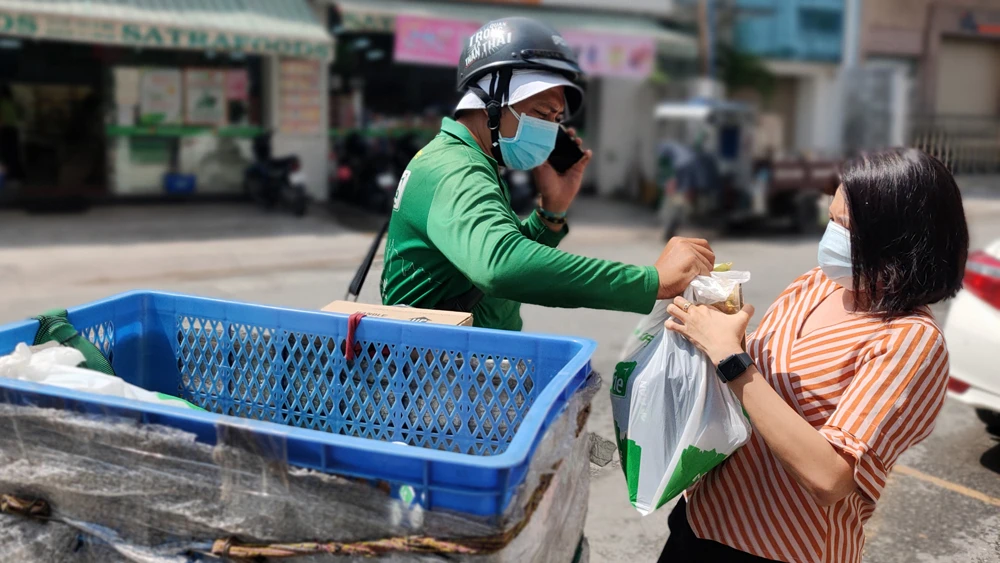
967, 144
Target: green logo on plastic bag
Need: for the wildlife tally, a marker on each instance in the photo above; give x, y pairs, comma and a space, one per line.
619, 383
643, 337
631, 457
693, 464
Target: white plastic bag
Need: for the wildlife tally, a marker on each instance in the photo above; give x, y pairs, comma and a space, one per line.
58, 366
675, 419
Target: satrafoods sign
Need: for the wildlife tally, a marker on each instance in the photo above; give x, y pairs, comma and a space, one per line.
165, 36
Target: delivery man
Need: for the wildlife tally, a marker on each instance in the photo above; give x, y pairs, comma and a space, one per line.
454, 243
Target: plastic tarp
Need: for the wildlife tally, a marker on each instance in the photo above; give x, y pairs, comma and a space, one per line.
121, 491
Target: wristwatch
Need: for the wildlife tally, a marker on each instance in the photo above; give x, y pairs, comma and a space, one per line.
734, 366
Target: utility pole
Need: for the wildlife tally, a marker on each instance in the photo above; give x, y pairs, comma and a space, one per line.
852, 33
706, 38
705, 86
703, 38
847, 74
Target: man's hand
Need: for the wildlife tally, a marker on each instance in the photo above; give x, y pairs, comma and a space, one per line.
559, 190
681, 261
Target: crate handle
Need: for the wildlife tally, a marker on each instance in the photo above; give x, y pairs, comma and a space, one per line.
352, 326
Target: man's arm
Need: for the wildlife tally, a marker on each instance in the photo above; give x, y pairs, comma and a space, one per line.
537, 230
470, 224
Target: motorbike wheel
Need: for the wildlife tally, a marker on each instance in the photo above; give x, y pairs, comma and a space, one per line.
991, 419
300, 202
257, 191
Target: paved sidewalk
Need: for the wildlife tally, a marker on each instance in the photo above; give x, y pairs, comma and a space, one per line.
237, 252
55, 260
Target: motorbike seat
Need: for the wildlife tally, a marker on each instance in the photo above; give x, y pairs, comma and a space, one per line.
284, 162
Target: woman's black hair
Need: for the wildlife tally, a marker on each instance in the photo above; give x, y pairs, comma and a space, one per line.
909, 236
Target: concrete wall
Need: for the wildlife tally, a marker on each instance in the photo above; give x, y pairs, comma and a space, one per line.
652, 7
911, 15
968, 77
312, 150
915, 30
806, 99
620, 123
776, 115
898, 27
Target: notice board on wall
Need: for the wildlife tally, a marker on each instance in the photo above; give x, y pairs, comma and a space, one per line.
301, 96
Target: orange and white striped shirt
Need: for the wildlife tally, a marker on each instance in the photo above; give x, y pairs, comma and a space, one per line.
872, 388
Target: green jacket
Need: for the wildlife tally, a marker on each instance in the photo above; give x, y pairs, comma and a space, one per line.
452, 227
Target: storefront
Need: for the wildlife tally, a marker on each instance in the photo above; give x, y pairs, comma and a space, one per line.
142, 98
405, 54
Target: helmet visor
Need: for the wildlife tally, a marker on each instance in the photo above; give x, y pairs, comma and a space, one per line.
525, 84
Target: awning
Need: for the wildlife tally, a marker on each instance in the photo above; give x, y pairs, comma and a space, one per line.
265, 27
380, 16
700, 108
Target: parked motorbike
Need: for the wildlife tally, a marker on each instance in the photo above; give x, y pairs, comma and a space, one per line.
366, 172
384, 177
274, 182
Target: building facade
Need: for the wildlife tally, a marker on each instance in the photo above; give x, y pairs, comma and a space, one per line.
166, 99
138, 98
951, 49
801, 44
406, 53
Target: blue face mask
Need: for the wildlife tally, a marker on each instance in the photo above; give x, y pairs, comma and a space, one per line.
531, 145
835, 256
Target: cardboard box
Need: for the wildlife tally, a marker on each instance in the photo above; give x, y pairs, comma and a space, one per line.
401, 313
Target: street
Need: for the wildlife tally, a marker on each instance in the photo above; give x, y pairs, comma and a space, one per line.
942, 503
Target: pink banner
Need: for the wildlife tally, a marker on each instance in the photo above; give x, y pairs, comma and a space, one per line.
431, 41
237, 85
613, 55
439, 42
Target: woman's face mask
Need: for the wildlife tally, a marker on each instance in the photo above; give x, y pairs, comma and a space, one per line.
835, 255
531, 146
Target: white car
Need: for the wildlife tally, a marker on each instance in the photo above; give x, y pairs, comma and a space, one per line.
973, 335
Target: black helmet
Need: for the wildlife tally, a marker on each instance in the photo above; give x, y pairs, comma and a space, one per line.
519, 43
505, 45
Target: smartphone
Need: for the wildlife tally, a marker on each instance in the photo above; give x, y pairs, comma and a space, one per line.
566, 153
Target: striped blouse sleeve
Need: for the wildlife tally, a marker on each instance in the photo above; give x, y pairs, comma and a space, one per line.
891, 403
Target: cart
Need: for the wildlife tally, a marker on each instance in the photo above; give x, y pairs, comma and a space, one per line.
321, 434
787, 189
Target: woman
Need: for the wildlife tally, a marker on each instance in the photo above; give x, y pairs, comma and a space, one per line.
848, 371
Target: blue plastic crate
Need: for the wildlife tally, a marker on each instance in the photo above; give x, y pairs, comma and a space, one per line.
472, 404
179, 184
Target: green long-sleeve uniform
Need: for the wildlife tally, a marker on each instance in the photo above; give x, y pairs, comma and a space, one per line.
453, 228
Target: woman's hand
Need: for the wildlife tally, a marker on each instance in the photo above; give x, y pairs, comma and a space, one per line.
825, 472
713, 332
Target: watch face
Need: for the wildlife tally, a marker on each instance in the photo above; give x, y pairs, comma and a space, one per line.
734, 366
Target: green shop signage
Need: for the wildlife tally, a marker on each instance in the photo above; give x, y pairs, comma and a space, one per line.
18, 24
157, 36
369, 22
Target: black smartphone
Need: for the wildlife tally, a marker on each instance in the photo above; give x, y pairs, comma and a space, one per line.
566, 153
